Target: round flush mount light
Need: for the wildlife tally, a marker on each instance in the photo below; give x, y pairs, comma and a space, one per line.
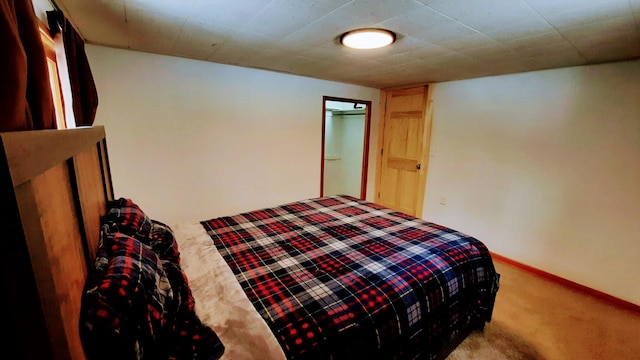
367, 38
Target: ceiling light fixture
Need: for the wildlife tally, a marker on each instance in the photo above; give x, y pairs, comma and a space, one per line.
367, 38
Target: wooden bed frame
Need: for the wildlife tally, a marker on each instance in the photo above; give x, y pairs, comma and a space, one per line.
54, 188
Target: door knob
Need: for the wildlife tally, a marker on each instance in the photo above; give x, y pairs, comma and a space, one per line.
418, 166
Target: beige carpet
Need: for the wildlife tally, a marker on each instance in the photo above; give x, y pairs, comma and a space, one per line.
534, 318
495, 343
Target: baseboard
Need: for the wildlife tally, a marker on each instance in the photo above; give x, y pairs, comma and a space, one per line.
617, 302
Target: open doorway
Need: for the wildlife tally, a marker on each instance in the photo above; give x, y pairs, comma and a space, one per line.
345, 146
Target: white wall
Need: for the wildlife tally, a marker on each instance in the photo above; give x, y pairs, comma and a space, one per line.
352, 145
344, 141
333, 184
544, 167
191, 140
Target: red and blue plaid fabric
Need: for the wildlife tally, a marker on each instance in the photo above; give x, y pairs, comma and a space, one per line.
338, 277
137, 303
125, 298
128, 218
125, 216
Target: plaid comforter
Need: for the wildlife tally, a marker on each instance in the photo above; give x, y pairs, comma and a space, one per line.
337, 277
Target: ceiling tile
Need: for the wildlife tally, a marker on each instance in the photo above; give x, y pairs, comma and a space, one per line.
371, 55
451, 59
173, 8
283, 17
619, 46
547, 38
600, 29
100, 21
542, 62
548, 7
467, 42
487, 14
323, 52
253, 39
611, 52
380, 10
427, 50
593, 12
291, 64
325, 30
227, 13
504, 66
524, 29
437, 40
489, 52
424, 23
396, 59
233, 52
197, 40
151, 31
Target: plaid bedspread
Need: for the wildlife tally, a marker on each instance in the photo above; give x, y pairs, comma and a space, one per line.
337, 277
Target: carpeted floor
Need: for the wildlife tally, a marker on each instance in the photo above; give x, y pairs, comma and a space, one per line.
535, 318
495, 343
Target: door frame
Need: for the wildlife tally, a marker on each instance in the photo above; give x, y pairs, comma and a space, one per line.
365, 147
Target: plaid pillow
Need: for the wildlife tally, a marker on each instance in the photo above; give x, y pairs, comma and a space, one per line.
137, 302
125, 216
162, 242
124, 300
128, 218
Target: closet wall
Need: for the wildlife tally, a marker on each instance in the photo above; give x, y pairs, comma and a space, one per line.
344, 142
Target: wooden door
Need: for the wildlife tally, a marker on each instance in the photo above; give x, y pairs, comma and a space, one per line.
404, 140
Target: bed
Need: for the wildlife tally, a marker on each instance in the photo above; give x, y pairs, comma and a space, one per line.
333, 277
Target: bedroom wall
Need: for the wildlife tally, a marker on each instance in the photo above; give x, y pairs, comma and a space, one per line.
333, 183
544, 167
344, 141
352, 145
191, 140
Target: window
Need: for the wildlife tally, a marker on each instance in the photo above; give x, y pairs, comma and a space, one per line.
54, 77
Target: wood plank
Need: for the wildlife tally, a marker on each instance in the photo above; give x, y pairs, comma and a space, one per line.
106, 172
62, 242
29, 153
91, 196
20, 267
405, 114
402, 164
417, 90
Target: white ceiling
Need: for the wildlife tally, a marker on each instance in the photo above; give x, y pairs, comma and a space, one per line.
438, 40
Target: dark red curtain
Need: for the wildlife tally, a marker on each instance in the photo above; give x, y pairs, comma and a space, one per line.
25, 97
83, 88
